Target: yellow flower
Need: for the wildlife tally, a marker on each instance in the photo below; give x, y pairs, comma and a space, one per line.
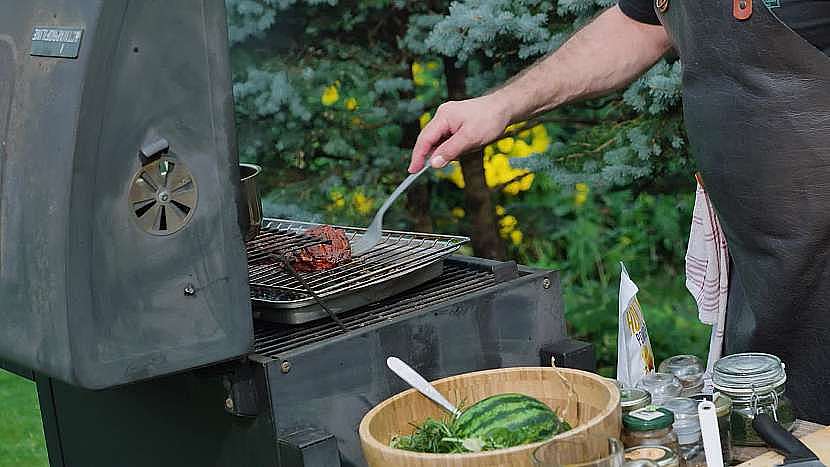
505, 145
625, 240
356, 121
453, 174
432, 65
424, 119
507, 224
500, 210
417, 68
541, 139
516, 237
337, 198
419, 80
351, 103
521, 149
457, 213
362, 203
581, 195
330, 95
489, 150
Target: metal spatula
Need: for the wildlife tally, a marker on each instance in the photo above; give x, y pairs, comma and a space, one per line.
406, 373
372, 235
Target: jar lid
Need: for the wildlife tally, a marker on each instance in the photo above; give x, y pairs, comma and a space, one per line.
660, 455
743, 372
634, 397
647, 419
661, 386
687, 368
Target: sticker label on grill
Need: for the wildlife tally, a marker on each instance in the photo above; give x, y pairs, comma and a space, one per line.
56, 42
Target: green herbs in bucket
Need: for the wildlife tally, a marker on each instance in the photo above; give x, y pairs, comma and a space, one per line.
497, 422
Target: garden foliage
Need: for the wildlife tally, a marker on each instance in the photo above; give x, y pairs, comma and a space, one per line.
330, 95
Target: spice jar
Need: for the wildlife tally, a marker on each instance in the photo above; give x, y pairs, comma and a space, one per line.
755, 382
687, 427
688, 369
661, 386
659, 455
651, 426
632, 399
723, 411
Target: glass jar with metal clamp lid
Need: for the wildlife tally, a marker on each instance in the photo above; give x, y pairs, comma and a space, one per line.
755, 382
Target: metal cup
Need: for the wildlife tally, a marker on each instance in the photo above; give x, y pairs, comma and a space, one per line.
251, 214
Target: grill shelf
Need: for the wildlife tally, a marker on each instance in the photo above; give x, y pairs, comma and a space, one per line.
400, 261
457, 280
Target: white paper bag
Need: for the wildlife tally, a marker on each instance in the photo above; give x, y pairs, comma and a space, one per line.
634, 356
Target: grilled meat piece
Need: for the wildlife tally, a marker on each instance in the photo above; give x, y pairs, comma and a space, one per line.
325, 256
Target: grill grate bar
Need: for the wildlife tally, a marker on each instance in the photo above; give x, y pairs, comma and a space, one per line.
272, 339
398, 253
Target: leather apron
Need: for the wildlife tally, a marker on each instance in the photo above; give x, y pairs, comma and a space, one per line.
756, 103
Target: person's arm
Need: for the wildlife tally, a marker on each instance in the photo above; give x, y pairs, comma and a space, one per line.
605, 55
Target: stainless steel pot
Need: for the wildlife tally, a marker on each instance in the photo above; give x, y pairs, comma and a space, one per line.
251, 212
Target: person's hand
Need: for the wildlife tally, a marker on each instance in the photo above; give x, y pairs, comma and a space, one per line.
458, 127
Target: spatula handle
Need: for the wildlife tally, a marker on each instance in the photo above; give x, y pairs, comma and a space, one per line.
418, 382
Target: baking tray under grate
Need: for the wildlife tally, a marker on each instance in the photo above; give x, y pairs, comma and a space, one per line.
402, 260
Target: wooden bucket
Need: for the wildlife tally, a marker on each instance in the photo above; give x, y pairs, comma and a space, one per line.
593, 410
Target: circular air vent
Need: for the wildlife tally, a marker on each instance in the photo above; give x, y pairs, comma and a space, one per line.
163, 196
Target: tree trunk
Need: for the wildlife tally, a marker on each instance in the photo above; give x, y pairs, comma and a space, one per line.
478, 205
418, 195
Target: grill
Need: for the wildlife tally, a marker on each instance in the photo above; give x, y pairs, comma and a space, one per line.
400, 261
127, 324
457, 280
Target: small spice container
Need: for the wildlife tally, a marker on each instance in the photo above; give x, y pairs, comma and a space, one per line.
688, 369
687, 427
659, 455
755, 382
723, 410
632, 399
661, 386
651, 426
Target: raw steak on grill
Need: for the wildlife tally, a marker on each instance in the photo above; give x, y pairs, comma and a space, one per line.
326, 256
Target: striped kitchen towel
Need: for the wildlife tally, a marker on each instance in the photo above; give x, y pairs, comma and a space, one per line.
707, 271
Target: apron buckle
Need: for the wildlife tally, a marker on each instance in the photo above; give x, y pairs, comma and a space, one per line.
741, 9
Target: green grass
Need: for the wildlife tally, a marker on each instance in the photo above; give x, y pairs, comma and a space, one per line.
21, 430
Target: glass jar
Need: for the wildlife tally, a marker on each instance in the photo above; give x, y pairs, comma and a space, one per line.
723, 410
688, 369
661, 386
659, 455
651, 426
632, 399
755, 382
687, 427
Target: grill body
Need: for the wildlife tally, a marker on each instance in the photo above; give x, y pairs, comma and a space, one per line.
87, 294
298, 399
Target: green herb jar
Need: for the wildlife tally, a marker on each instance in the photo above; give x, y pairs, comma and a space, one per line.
632, 399
651, 426
723, 411
755, 383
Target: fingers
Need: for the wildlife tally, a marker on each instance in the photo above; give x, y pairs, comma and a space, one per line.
450, 149
430, 136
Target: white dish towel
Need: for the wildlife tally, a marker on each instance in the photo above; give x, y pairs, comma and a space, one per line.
707, 272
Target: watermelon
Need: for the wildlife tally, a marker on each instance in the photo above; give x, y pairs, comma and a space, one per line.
509, 419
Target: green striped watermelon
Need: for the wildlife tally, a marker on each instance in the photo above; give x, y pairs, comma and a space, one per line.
509, 420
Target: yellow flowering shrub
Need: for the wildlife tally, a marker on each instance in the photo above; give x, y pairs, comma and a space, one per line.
424, 119
580, 194
351, 103
458, 213
497, 168
330, 95
516, 237
362, 203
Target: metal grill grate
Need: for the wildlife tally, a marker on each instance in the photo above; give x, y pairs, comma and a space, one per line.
272, 340
398, 255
